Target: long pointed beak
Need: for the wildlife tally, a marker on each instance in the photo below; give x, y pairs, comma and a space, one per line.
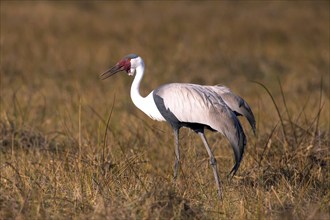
112, 71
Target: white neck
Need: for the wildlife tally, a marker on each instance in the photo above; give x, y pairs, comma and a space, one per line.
145, 104
135, 88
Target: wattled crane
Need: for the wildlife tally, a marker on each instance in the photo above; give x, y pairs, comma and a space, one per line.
193, 106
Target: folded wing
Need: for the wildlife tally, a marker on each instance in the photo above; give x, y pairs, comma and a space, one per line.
190, 103
237, 104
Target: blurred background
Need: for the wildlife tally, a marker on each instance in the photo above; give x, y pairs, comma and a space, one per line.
58, 49
51, 96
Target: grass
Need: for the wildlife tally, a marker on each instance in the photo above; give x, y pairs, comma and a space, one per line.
73, 146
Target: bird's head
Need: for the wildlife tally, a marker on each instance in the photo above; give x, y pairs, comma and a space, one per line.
129, 64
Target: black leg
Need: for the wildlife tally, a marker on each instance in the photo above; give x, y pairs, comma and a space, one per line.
177, 152
213, 163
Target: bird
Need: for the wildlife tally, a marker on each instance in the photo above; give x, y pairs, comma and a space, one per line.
198, 107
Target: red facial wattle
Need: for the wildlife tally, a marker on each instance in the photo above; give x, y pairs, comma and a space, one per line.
123, 65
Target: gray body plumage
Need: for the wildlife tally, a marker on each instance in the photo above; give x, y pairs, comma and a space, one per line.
199, 107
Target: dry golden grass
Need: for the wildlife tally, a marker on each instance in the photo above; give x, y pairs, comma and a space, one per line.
58, 160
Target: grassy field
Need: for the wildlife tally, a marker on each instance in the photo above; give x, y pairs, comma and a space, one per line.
59, 160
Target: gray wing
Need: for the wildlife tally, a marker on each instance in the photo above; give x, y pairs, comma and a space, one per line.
236, 104
190, 103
